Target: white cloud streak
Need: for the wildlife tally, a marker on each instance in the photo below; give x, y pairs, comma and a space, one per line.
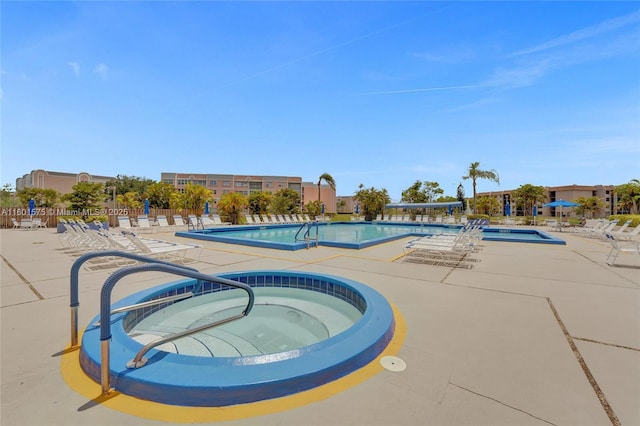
583, 34
102, 70
429, 89
75, 67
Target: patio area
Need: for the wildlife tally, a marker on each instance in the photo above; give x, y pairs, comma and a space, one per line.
532, 334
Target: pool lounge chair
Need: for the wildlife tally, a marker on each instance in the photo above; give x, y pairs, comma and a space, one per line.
144, 225
602, 232
162, 249
163, 223
440, 250
207, 222
629, 236
248, 219
24, 224
179, 221
124, 222
217, 221
617, 247
618, 232
194, 223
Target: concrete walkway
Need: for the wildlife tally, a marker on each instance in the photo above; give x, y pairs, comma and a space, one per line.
532, 335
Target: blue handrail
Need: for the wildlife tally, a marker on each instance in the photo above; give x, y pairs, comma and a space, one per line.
75, 277
105, 307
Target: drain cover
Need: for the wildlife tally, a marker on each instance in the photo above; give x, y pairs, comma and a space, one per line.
393, 363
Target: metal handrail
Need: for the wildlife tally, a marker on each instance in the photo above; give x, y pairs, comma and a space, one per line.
105, 311
306, 237
74, 277
303, 226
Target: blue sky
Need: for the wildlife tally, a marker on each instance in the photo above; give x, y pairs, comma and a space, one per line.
374, 93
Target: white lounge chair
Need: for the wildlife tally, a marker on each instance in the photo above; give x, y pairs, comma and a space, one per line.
163, 223
193, 222
144, 224
618, 232
629, 236
249, 219
617, 247
602, 232
218, 221
162, 249
179, 221
124, 222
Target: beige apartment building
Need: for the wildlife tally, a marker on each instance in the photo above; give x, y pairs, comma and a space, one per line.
221, 184
568, 193
60, 181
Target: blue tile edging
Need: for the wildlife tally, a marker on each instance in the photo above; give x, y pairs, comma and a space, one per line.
200, 381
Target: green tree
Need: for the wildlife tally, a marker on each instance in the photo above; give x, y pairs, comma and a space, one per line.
527, 196
159, 195
372, 201
589, 206
86, 197
313, 208
130, 200
328, 180
231, 205
7, 198
488, 205
124, 184
421, 192
41, 196
259, 202
285, 201
628, 195
474, 173
195, 196
460, 194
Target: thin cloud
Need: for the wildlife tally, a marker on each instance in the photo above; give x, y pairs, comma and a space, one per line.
75, 67
102, 70
429, 89
583, 34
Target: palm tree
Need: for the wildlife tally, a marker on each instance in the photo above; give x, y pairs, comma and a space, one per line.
475, 173
329, 180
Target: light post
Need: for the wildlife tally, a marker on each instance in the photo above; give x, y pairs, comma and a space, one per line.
113, 200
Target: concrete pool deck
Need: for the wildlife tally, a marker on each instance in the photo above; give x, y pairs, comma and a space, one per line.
531, 335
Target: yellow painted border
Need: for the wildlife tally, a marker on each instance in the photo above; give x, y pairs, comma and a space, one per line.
77, 380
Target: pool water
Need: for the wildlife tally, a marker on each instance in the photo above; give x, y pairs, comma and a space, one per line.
282, 319
343, 235
351, 235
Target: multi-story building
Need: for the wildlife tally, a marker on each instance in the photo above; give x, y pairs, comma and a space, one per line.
221, 184
568, 193
60, 181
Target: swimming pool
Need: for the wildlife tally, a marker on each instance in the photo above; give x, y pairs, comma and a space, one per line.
359, 326
353, 235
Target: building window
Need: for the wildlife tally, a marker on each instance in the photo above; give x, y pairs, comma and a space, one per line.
213, 183
226, 183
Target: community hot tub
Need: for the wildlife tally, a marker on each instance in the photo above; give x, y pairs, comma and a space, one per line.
305, 330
